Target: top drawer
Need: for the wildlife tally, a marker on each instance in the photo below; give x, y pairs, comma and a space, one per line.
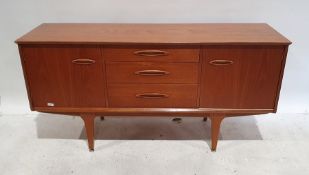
152, 53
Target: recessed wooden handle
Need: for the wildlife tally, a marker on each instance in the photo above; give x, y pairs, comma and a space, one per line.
151, 72
221, 62
151, 53
151, 95
83, 61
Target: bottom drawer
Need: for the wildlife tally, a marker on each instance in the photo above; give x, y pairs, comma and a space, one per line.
152, 95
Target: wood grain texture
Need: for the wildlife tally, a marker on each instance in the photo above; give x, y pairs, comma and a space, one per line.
89, 126
25, 77
250, 82
216, 120
178, 95
53, 78
285, 53
174, 53
216, 33
213, 70
123, 72
111, 111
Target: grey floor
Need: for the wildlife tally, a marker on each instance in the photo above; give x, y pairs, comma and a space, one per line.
54, 144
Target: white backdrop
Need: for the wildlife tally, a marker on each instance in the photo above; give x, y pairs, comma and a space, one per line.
289, 17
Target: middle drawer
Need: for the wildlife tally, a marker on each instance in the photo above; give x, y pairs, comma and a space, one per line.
150, 72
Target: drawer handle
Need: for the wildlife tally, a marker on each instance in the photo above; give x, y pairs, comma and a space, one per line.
151, 53
83, 61
151, 95
221, 62
151, 72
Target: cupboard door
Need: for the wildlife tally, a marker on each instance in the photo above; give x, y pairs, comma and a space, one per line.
61, 76
241, 77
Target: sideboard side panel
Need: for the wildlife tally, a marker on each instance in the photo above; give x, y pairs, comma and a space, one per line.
22, 60
284, 55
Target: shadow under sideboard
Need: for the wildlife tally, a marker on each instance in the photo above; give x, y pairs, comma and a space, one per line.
145, 128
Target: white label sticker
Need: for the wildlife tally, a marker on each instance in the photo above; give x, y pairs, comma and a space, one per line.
50, 104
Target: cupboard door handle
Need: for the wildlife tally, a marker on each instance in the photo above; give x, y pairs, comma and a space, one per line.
83, 61
221, 62
151, 72
151, 95
151, 53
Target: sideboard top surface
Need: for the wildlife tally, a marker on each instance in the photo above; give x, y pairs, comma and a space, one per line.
195, 33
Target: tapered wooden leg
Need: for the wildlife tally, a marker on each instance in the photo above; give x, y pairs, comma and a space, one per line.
205, 119
89, 125
216, 120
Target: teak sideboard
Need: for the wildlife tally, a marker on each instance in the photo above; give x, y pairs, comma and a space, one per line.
205, 70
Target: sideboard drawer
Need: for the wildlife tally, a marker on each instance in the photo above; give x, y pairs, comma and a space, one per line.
152, 95
148, 72
153, 54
